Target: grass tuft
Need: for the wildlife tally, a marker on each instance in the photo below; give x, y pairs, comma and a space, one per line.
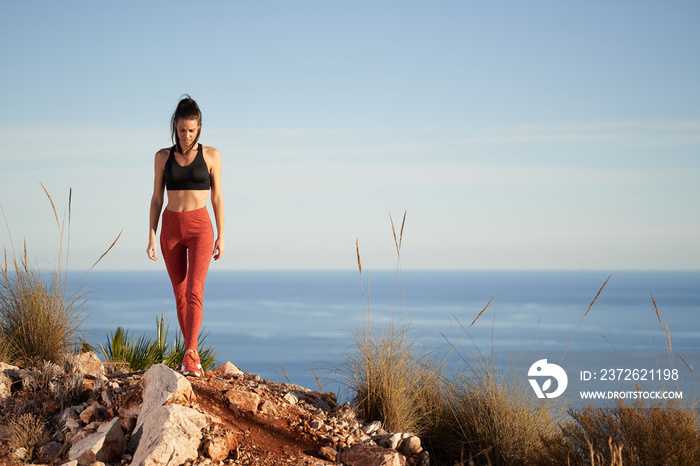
40, 314
39, 319
626, 433
28, 433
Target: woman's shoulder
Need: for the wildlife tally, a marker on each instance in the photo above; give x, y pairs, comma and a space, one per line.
162, 156
210, 152
164, 152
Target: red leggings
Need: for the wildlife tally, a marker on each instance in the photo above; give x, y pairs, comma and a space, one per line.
187, 242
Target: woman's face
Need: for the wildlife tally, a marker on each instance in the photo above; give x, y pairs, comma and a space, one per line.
187, 131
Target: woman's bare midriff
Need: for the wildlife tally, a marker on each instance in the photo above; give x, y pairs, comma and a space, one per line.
186, 200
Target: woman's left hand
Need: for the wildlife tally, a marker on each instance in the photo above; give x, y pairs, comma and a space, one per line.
219, 247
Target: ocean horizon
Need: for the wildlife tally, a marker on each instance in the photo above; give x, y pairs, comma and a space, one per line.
296, 323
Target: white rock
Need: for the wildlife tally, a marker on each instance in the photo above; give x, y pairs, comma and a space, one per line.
171, 435
5, 384
393, 440
266, 407
106, 445
161, 385
219, 447
228, 368
89, 363
372, 427
247, 401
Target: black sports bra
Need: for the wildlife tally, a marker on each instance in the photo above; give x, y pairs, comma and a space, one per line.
194, 176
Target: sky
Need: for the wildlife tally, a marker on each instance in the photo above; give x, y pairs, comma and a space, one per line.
514, 135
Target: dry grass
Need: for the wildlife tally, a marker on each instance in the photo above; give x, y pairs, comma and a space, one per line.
382, 371
28, 433
39, 319
484, 414
32, 412
391, 375
492, 417
40, 313
626, 433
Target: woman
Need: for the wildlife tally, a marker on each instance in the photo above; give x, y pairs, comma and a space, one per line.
188, 171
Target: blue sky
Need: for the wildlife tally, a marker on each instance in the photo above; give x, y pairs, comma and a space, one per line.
516, 135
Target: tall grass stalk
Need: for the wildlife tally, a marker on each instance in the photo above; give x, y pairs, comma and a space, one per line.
385, 368
40, 315
399, 273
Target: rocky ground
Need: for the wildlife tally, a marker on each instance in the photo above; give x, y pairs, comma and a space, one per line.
159, 417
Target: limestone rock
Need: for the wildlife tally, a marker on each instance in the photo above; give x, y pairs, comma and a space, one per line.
371, 455
328, 453
7, 367
410, 446
390, 440
247, 401
295, 395
89, 363
161, 385
228, 368
106, 445
5, 384
218, 447
93, 413
70, 420
266, 407
372, 427
171, 435
291, 398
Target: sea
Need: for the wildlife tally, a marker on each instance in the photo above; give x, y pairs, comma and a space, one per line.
299, 326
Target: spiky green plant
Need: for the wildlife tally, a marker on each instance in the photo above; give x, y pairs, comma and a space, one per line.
142, 352
122, 346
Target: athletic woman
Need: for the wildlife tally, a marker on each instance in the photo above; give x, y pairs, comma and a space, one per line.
188, 171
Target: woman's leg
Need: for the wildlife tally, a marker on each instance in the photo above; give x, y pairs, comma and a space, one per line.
200, 244
175, 257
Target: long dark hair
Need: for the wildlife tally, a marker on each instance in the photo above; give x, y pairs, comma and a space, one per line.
187, 109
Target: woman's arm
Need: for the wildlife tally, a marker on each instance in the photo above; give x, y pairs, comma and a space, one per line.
217, 201
156, 203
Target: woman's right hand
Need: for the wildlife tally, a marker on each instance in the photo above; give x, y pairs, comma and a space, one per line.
151, 250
